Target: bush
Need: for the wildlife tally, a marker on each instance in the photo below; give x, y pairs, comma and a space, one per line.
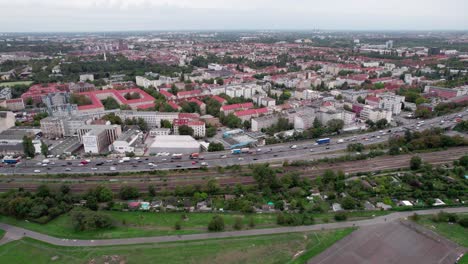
341, 217
83, 220
251, 222
177, 225
128, 192
216, 224
238, 224
415, 217
443, 217
463, 222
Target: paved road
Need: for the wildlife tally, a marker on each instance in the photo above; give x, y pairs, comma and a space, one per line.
269, 153
13, 232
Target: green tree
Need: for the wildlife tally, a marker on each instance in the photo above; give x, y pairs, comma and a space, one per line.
28, 147
151, 191
214, 146
415, 163
348, 203
166, 123
210, 131
238, 224
335, 125
265, 176
105, 194
128, 192
382, 123
186, 130
216, 224
44, 149
142, 124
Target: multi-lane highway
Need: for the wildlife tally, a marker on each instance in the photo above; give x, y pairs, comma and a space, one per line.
271, 153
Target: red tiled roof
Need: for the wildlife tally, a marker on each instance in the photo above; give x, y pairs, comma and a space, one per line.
116, 94
188, 93
188, 116
237, 106
372, 98
173, 105
166, 94
198, 102
146, 106
219, 99
251, 112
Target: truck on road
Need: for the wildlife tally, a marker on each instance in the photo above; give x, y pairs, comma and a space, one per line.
245, 150
323, 141
10, 160
195, 155
176, 156
235, 151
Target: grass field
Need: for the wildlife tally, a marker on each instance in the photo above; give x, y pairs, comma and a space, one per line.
2, 233
3, 84
140, 224
463, 260
285, 248
454, 232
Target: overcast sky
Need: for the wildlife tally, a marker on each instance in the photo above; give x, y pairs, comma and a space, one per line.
114, 15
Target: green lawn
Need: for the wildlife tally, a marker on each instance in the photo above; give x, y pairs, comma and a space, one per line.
454, 232
464, 259
283, 248
2, 233
3, 84
140, 224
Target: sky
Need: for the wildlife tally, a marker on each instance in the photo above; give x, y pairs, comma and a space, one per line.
129, 15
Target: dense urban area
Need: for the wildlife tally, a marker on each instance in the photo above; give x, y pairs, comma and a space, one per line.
304, 138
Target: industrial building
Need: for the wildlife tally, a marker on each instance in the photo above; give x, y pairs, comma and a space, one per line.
174, 144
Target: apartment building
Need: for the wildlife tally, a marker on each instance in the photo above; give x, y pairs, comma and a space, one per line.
368, 113
97, 138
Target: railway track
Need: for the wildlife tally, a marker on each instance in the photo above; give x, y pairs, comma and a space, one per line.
233, 178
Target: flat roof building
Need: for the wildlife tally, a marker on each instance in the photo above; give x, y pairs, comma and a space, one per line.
174, 144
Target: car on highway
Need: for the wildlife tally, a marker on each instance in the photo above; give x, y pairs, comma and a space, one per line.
37, 171
240, 158
94, 168
223, 156
67, 169
293, 147
112, 168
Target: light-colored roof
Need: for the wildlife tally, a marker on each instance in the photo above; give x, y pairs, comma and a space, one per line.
175, 141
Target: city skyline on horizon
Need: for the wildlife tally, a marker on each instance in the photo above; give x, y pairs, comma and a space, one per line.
206, 15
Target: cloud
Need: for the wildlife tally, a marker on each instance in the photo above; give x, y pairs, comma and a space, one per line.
98, 15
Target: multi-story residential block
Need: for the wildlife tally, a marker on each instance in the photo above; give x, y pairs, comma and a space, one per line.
7, 120
263, 122
86, 77
352, 95
199, 128
227, 109
159, 132
246, 115
391, 102
13, 104
152, 118
368, 113
97, 138
53, 127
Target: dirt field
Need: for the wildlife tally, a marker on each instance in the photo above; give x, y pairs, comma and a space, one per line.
388, 244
